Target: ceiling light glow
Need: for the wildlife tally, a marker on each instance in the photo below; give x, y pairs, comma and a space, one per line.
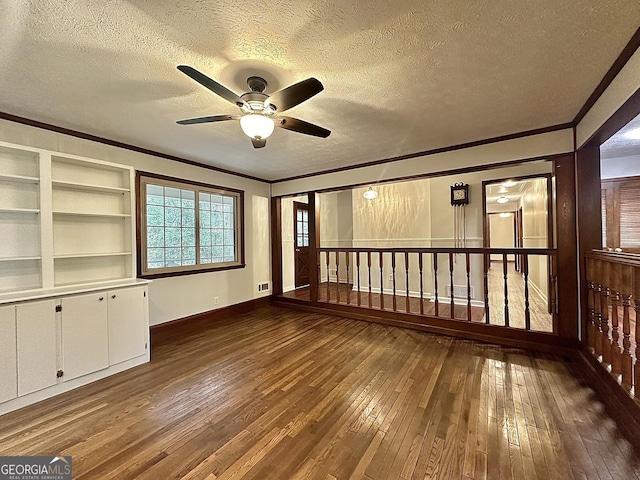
509, 183
502, 199
506, 214
257, 126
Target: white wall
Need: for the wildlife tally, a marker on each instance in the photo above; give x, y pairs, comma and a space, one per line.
177, 297
534, 146
620, 167
501, 233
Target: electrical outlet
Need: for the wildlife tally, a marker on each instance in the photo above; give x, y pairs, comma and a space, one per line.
391, 277
216, 300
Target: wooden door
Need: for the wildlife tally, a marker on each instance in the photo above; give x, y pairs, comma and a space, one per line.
8, 358
301, 243
126, 324
37, 348
85, 339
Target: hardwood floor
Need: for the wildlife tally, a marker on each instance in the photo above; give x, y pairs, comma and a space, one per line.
278, 394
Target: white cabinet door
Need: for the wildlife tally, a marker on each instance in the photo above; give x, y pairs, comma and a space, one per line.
127, 324
36, 327
85, 335
8, 354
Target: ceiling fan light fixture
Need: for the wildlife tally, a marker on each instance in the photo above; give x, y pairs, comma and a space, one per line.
370, 194
257, 126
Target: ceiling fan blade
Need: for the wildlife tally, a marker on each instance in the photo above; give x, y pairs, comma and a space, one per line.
294, 94
214, 118
300, 126
259, 143
212, 85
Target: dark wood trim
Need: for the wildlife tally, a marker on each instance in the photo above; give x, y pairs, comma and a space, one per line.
566, 242
440, 173
627, 52
314, 244
276, 246
624, 410
482, 332
114, 143
589, 215
425, 153
203, 269
627, 112
203, 319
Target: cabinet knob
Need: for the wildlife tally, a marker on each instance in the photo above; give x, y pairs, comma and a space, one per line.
101, 298
113, 296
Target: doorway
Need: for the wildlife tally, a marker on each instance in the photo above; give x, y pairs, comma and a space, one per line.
301, 244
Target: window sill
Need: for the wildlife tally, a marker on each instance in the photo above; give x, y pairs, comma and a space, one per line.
180, 273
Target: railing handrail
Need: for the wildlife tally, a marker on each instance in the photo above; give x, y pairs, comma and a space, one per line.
623, 258
475, 250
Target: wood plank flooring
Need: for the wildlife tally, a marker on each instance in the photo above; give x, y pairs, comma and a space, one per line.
279, 394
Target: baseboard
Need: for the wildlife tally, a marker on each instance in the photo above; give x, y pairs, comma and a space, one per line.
539, 292
200, 320
620, 406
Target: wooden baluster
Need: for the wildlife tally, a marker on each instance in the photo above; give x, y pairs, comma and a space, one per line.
487, 319
358, 269
393, 278
381, 284
597, 305
467, 260
421, 284
604, 309
616, 351
636, 305
337, 276
627, 361
369, 273
346, 255
406, 281
435, 283
452, 312
328, 276
506, 289
527, 310
591, 314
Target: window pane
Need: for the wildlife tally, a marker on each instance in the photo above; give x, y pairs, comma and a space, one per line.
172, 237
155, 237
228, 220
205, 220
217, 220
228, 237
188, 218
189, 237
155, 215
155, 195
299, 215
188, 199
173, 217
172, 197
205, 237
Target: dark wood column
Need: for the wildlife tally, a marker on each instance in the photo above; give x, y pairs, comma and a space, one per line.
276, 246
589, 214
566, 244
314, 244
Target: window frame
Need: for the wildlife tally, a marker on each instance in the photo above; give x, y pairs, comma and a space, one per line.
144, 178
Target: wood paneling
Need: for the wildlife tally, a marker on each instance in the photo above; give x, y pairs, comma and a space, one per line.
281, 395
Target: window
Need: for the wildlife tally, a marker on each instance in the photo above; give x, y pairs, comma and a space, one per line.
187, 227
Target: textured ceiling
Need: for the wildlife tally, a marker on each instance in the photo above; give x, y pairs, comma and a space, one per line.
399, 77
620, 144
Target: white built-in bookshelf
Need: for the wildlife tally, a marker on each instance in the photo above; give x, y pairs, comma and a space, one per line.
71, 308
64, 220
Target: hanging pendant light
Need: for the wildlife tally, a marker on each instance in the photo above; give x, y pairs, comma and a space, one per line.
370, 194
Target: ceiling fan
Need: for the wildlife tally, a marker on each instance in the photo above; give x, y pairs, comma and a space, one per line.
260, 113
